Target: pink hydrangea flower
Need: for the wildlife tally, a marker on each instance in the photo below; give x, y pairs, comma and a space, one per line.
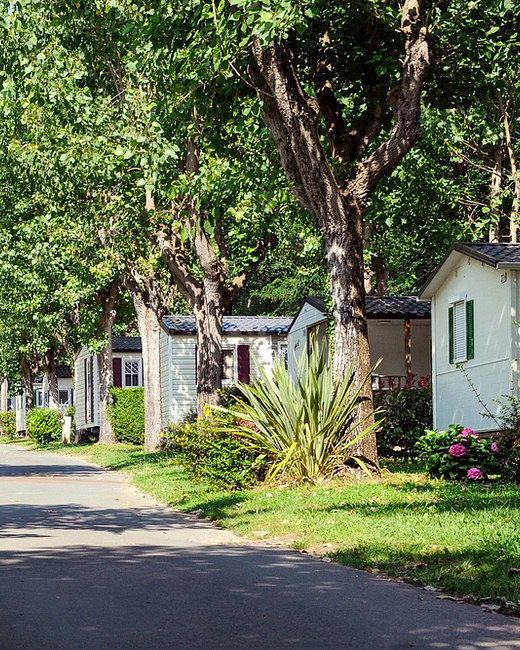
466, 433
474, 474
457, 450
494, 447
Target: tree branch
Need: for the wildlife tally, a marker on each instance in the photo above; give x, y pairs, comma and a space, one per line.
404, 100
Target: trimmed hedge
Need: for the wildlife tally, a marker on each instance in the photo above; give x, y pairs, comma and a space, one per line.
44, 425
126, 414
8, 424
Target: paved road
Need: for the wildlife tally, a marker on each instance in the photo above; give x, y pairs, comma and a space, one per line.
87, 562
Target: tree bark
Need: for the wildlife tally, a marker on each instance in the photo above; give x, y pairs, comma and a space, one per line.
495, 186
513, 218
148, 309
4, 394
108, 299
338, 205
28, 380
50, 366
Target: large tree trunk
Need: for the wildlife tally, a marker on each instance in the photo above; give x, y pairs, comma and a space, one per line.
338, 203
147, 307
50, 367
108, 300
28, 382
208, 320
4, 394
497, 156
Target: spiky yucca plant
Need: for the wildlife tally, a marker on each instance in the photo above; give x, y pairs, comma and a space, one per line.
306, 426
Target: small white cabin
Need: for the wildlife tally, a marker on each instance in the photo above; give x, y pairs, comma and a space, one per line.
475, 300
398, 333
128, 373
41, 397
243, 338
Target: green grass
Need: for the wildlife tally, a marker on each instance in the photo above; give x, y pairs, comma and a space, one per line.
460, 539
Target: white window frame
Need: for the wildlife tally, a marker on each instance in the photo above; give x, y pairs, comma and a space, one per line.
139, 373
233, 350
460, 334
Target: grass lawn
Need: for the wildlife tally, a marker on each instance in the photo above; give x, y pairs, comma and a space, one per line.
460, 539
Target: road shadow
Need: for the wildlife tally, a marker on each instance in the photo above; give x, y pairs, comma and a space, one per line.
238, 598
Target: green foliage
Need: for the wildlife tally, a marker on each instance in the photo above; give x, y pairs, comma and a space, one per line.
305, 427
509, 440
219, 457
407, 412
458, 454
44, 425
126, 414
8, 423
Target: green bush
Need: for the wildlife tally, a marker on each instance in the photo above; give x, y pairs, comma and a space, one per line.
407, 412
44, 425
221, 458
126, 414
305, 427
508, 441
8, 424
458, 454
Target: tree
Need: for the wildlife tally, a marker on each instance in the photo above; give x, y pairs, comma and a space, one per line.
296, 46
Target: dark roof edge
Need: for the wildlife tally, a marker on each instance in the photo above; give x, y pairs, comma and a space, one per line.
433, 274
315, 301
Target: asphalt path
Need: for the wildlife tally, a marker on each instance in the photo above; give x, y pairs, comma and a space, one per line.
87, 562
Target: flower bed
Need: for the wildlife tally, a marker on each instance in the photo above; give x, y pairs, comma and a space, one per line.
458, 454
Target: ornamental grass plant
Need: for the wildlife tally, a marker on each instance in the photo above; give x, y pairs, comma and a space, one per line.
304, 427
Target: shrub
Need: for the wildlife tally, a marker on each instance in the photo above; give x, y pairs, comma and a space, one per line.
8, 424
407, 413
126, 414
509, 440
44, 425
458, 454
221, 458
305, 427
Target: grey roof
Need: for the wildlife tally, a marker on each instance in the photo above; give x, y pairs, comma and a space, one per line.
492, 254
126, 344
396, 307
63, 372
506, 256
383, 307
278, 325
317, 302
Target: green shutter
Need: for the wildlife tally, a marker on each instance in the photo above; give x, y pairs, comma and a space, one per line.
450, 335
470, 330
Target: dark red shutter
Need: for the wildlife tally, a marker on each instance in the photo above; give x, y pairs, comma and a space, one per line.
117, 370
196, 354
243, 363
92, 389
85, 373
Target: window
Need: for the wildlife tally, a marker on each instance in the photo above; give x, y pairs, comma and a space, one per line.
283, 353
461, 330
132, 373
63, 398
228, 365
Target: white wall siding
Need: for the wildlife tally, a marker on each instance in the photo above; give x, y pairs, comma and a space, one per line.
79, 389
308, 317
184, 388
490, 370
165, 344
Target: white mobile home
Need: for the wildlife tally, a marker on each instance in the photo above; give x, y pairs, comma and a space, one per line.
475, 299
398, 333
243, 338
128, 373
